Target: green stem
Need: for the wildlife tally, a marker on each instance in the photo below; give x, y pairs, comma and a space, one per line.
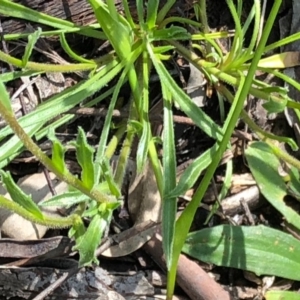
225, 77
204, 23
203, 15
45, 160
123, 158
164, 10
284, 155
156, 166
53, 222
46, 67
115, 140
262, 135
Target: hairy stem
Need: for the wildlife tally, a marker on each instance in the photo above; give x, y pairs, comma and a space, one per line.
53, 222
44, 159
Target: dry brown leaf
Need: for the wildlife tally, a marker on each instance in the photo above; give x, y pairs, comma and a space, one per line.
144, 205
132, 239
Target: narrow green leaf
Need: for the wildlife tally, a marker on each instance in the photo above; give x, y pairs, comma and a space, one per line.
89, 242
9, 8
18, 196
169, 205
294, 184
264, 166
78, 230
185, 103
65, 200
5, 97
32, 39
192, 172
54, 106
109, 178
70, 52
85, 158
92, 237
243, 247
140, 11
9, 76
163, 49
58, 153
142, 151
164, 10
128, 61
152, 7
174, 32
115, 27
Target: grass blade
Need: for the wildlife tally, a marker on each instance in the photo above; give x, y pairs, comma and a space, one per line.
169, 205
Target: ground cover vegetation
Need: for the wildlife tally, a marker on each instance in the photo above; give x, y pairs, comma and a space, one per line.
142, 44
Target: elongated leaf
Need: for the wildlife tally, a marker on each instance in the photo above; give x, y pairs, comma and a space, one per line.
128, 61
169, 205
5, 97
32, 39
192, 172
65, 199
89, 242
185, 103
260, 249
78, 230
92, 237
12, 147
19, 11
142, 151
18, 196
115, 27
143, 146
85, 158
174, 32
140, 11
67, 99
264, 167
9, 76
58, 153
70, 52
56, 105
294, 184
152, 7
109, 178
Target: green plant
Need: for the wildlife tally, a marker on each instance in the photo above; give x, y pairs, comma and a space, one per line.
139, 45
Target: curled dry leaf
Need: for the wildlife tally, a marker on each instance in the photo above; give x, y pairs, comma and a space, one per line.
14, 226
131, 239
144, 205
